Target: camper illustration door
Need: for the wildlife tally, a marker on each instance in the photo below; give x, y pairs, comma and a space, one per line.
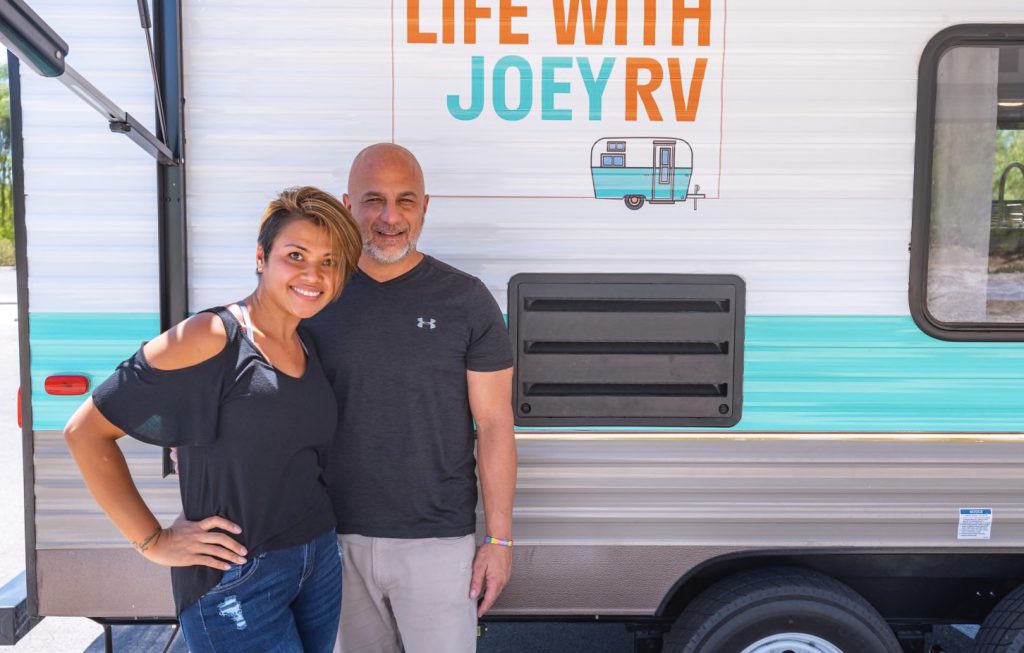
664, 171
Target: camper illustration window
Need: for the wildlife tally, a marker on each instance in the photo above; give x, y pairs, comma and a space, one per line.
613, 160
664, 165
616, 146
971, 270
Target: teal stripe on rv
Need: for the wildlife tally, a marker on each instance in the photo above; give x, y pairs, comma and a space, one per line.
91, 344
802, 373
841, 373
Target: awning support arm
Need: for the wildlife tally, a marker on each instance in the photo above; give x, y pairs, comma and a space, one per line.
35, 43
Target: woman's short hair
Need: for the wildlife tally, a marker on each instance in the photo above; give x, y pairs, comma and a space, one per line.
325, 211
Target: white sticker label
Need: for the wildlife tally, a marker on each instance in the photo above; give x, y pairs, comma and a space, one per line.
975, 524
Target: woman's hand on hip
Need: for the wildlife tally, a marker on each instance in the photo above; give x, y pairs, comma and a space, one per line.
187, 543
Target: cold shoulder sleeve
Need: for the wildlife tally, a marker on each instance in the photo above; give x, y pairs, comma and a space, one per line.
168, 408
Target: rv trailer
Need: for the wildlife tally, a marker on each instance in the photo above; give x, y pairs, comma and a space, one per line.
789, 418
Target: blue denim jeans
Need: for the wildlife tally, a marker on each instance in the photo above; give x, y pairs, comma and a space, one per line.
282, 601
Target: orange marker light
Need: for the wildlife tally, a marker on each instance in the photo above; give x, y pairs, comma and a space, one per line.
66, 385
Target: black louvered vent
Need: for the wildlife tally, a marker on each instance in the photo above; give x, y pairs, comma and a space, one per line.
627, 349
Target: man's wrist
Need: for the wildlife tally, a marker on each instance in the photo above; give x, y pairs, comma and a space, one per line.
499, 541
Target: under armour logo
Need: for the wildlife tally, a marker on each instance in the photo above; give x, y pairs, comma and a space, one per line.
432, 323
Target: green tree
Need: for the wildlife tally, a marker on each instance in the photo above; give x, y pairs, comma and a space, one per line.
1006, 244
6, 205
1009, 149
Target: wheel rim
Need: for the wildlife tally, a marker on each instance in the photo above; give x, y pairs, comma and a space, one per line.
792, 643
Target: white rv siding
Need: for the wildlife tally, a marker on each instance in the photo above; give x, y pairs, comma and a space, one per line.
92, 249
90, 203
818, 108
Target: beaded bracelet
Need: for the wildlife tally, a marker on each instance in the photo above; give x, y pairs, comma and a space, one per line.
495, 540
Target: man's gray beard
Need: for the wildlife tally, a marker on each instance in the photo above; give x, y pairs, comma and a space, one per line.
385, 259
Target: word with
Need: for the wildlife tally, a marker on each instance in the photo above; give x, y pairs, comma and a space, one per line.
565, 20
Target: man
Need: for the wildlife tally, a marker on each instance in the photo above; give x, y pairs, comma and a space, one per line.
416, 351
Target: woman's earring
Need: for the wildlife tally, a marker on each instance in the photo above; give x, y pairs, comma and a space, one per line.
259, 267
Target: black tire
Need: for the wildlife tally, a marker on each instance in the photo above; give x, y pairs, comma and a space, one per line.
633, 202
1003, 628
766, 604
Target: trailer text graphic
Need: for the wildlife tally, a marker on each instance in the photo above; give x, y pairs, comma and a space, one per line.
655, 89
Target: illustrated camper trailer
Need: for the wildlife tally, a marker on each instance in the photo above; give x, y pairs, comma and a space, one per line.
789, 420
638, 170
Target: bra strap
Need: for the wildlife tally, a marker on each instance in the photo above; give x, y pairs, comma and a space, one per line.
246, 321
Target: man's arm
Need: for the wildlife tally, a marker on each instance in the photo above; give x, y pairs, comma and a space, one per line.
490, 401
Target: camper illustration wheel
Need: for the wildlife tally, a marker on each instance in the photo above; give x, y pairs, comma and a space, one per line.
1003, 628
633, 201
780, 609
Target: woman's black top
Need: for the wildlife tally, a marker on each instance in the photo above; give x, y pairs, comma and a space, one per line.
251, 443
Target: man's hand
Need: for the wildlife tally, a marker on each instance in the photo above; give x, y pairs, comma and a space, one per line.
492, 568
188, 543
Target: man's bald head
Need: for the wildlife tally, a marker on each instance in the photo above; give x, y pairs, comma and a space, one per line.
387, 156
387, 198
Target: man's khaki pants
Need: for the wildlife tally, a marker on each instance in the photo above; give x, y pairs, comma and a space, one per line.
407, 595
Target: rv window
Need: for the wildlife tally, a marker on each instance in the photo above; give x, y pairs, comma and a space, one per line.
616, 146
968, 235
613, 160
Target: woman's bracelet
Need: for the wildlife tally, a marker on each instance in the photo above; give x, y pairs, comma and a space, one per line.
497, 540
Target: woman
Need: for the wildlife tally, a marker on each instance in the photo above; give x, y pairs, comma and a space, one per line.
240, 391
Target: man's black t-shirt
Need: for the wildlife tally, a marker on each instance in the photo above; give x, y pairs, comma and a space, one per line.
396, 353
252, 441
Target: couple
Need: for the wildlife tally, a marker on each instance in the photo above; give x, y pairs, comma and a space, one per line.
358, 422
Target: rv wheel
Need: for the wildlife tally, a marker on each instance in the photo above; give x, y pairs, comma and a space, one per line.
1003, 628
780, 609
634, 201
